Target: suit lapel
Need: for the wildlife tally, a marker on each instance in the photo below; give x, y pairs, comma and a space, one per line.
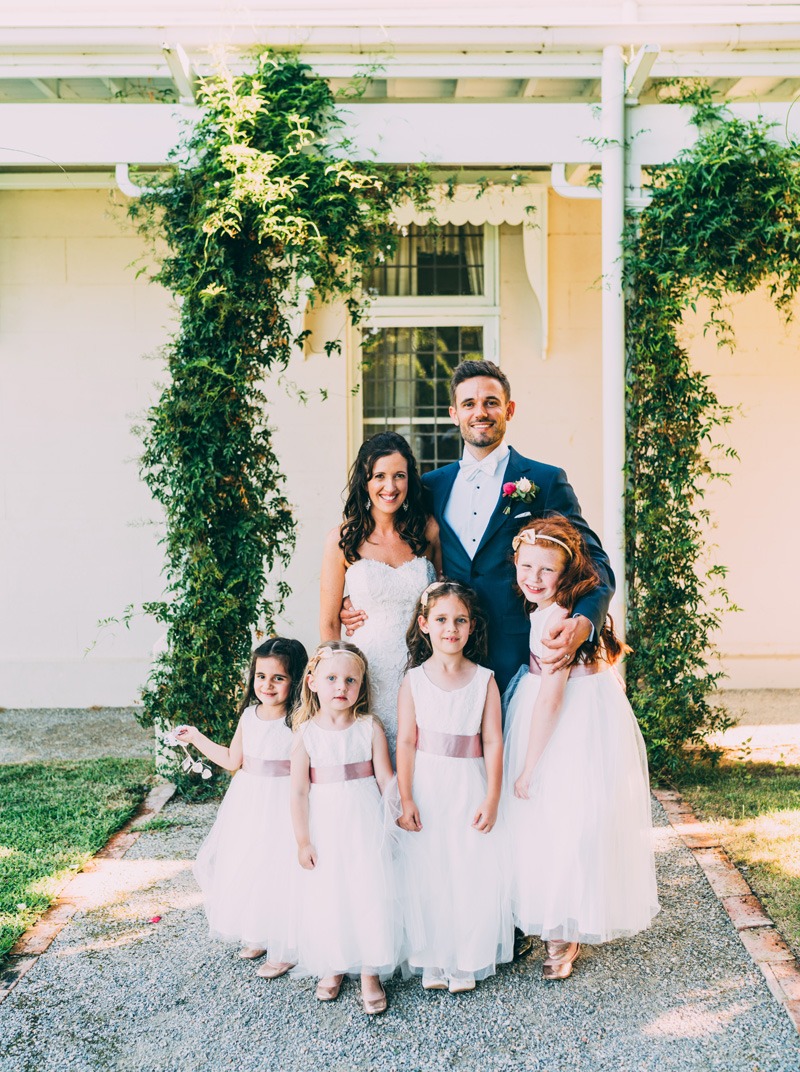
514, 470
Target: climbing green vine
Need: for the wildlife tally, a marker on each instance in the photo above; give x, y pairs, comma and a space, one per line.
262, 197
724, 218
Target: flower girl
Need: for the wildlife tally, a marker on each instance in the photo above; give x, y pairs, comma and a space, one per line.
576, 772
246, 865
340, 766
449, 770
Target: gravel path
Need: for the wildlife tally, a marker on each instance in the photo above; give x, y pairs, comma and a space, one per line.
117, 992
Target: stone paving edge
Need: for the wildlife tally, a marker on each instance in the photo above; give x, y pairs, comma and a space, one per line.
757, 932
37, 939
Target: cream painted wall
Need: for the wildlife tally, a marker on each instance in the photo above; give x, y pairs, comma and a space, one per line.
75, 325
558, 418
758, 513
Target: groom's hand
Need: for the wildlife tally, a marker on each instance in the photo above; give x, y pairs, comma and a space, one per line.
350, 618
563, 641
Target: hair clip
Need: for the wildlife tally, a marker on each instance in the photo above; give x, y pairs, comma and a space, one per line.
531, 536
325, 653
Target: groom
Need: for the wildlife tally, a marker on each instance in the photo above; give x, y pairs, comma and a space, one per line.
466, 500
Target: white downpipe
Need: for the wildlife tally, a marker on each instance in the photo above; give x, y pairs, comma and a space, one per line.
613, 314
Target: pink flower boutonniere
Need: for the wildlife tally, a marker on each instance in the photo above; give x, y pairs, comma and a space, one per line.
523, 490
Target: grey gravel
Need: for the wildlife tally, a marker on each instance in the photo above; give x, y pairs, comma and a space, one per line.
115, 992
35, 733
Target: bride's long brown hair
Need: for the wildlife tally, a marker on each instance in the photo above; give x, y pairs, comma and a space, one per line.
358, 524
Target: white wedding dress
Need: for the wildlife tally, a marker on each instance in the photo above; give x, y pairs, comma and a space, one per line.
388, 596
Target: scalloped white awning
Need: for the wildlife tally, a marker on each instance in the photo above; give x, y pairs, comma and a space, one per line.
495, 203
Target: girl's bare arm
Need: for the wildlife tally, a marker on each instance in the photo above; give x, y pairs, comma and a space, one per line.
228, 758
406, 755
380, 757
492, 738
298, 803
544, 720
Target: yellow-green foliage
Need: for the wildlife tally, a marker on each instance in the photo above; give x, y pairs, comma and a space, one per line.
262, 197
725, 217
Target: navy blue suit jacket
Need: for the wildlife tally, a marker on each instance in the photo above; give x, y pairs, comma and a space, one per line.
491, 572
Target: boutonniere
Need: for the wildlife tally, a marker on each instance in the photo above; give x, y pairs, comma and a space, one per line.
523, 490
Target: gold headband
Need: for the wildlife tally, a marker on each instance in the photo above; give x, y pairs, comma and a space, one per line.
423, 599
328, 652
530, 536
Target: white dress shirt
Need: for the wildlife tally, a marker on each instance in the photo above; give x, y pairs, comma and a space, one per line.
474, 495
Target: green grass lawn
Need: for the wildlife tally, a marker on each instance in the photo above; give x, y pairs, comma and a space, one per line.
756, 810
53, 818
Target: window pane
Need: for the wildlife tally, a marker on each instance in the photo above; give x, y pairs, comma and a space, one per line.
432, 261
406, 374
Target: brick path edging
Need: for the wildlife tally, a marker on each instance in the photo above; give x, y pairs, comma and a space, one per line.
757, 932
37, 939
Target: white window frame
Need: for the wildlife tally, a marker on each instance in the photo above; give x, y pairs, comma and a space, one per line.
412, 311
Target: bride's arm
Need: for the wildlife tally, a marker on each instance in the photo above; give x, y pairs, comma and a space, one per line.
434, 550
331, 588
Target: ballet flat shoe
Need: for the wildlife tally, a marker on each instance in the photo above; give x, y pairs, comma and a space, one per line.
559, 960
249, 953
329, 993
273, 971
461, 984
373, 1006
433, 979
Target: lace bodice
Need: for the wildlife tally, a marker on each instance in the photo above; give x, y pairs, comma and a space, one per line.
459, 711
388, 596
328, 748
265, 740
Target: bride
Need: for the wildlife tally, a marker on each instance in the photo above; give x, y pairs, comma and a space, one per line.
385, 552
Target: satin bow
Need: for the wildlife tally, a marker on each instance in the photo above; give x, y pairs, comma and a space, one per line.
470, 467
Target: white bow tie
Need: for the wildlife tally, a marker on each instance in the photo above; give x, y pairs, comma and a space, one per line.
470, 467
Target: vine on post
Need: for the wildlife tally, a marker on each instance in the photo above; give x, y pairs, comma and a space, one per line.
724, 218
263, 196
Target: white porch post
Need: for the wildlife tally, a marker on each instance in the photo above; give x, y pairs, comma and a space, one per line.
613, 319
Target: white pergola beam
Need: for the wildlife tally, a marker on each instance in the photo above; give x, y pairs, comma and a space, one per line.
48, 91
183, 74
639, 70
461, 134
448, 65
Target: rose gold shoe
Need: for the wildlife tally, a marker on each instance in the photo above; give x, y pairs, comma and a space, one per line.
372, 1006
560, 958
251, 953
434, 979
273, 971
330, 993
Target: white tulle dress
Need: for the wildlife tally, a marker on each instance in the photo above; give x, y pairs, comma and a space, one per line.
247, 866
456, 910
348, 919
389, 596
581, 846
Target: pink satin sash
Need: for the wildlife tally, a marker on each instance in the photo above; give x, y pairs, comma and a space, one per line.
345, 772
267, 768
576, 670
455, 745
